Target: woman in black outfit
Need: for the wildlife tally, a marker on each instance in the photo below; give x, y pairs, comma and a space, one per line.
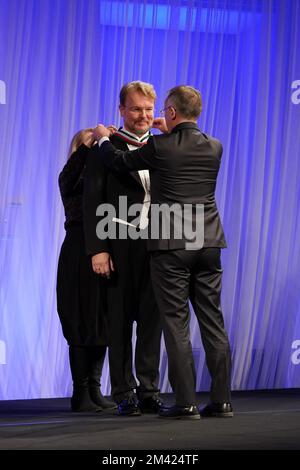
80, 292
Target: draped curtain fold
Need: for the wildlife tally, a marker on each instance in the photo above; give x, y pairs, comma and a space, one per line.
62, 64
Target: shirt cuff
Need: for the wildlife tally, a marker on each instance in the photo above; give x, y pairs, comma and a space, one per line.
103, 139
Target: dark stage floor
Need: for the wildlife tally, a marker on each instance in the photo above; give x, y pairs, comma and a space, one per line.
263, 420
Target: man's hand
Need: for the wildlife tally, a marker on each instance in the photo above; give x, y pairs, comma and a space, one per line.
102, 264
160, 123
102, 131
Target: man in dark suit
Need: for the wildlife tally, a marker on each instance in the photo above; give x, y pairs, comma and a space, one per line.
184, 164
126, 262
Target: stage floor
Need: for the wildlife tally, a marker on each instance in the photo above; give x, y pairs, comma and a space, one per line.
263, 420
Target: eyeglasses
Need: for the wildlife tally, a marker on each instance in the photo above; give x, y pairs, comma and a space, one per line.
136, 110
162, 112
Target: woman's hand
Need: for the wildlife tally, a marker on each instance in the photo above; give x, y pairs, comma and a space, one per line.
102, 131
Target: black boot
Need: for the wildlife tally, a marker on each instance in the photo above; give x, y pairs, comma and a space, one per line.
97, 356
81, 400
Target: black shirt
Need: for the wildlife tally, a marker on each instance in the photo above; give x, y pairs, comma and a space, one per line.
71, 185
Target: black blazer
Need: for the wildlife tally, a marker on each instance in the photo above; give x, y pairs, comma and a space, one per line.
184, 166
103, 185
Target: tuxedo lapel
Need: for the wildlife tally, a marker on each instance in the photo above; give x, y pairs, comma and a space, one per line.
136, 176
120, 144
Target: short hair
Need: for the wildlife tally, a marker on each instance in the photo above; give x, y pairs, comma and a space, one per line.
142, 87
187, 101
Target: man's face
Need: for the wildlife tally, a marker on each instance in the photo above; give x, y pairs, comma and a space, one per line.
138, 112
170, 115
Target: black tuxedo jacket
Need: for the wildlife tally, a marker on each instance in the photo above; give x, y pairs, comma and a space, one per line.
104, 186
184, 166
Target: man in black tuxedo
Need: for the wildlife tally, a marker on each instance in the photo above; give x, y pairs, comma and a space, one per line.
184, 165
126, 262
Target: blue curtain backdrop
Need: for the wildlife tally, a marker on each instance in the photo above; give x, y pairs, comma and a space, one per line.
62, 64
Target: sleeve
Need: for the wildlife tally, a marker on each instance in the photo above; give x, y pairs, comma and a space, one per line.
124, 161
94, 194
219, 149
72, 171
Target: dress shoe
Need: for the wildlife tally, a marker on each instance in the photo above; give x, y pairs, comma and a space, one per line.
180, 412
151, 404
217, 410
100, 400
129, 407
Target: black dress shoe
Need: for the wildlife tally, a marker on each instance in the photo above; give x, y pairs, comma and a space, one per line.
180, 412
129, 407
151, 404
217, 410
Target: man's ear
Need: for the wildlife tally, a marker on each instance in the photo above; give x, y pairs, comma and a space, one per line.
122, 110
173, 113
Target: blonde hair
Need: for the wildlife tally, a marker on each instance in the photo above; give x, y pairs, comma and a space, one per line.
144, 88
78, 139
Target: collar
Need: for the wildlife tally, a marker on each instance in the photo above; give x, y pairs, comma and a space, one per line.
185, 125
133, 136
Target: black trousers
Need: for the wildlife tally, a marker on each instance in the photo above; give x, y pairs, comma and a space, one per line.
131, 299
176, 276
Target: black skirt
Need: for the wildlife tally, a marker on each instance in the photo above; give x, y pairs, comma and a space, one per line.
81, 294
